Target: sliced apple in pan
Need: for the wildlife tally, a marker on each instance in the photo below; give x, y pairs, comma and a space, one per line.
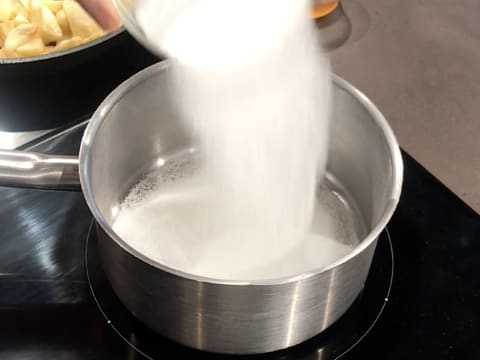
25, 3
62, 21
32, 47
35, 12
6, 9
51, 31
19, 36
20, 19
81, 23
5, 29
68, 43
54, 5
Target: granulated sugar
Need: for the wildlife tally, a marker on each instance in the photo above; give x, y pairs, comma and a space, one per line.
248, 77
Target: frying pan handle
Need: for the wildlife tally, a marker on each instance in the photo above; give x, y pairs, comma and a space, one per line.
38, 171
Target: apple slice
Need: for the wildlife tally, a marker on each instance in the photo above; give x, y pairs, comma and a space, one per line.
32, 47
81, 23
51, 31
19, 36
6, 9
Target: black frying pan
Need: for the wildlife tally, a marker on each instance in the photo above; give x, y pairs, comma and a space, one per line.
49, 91
67, 57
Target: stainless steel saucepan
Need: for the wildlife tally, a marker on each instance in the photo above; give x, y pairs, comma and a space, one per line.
130, 131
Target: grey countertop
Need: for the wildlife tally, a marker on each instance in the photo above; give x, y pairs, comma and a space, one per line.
419, 62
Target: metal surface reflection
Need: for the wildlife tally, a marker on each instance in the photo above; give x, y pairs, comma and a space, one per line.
42, 235
13, 140
35, 170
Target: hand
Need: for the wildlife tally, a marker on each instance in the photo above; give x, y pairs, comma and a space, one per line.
103, 11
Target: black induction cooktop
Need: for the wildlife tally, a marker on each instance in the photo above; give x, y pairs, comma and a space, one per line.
421, 300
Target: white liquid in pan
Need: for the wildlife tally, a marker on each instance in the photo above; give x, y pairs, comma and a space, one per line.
169, 217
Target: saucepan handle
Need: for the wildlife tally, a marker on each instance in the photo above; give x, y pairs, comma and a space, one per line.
38, 171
